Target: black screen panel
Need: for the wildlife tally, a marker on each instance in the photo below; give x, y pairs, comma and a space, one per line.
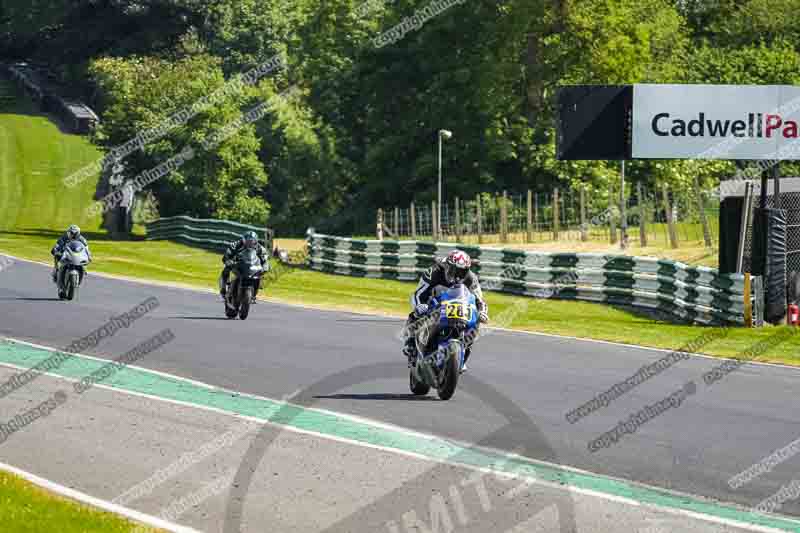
594, 122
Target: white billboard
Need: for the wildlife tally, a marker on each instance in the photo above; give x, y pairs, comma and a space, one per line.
716, 122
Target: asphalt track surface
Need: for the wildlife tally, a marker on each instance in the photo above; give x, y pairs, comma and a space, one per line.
280, 350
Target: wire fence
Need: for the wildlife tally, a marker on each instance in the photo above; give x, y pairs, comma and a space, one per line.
790, 201
660, 217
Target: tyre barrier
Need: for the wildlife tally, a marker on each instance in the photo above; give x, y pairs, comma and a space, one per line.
214, 235
690, 293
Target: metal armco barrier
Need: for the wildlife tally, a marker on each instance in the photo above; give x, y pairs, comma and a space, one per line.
697, 294
213, 235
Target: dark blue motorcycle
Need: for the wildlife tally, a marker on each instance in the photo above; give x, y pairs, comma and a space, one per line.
441, 339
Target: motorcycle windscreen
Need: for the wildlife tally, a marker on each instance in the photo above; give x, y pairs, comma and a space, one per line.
249, 262
459, 292
458, 305
75, 247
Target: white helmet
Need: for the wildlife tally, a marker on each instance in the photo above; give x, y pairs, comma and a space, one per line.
456, 266
73, 232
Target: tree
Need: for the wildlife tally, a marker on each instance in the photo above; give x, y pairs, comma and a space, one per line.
141, 93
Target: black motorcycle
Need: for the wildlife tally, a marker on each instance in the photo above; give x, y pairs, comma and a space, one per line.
247, 273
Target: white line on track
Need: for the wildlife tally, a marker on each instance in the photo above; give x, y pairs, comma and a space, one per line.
410, 432
97, 502
140, 281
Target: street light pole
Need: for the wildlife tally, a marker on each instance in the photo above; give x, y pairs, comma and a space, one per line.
443, 134
623, 242
439, 197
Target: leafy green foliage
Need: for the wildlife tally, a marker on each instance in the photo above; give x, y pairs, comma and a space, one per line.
362, 131
141, 93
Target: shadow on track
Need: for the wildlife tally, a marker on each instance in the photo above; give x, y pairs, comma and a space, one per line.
199, 317
387, 320
55, 234
525, 438
378, 396
26, 299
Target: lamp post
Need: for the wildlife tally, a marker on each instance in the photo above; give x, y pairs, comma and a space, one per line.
443, 134
623, 242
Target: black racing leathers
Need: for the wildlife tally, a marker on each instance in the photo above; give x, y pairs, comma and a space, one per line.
435, 276
230, 254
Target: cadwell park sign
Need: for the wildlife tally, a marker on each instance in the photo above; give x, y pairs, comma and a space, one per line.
733, 122
744, 122
716, 122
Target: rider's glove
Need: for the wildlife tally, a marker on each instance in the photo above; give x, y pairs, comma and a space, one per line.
420, 310
484, 317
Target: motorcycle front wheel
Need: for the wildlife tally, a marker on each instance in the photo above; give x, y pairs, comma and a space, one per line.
60, 286
451, 371
418, 388
72, 286
244, 304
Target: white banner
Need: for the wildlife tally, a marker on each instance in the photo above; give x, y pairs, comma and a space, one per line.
716, 122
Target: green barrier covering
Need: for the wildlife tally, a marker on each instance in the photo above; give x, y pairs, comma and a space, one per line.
214, 235
696, 294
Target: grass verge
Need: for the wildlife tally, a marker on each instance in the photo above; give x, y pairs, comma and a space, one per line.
690, 250
35, 157
35, 207
176, 263
27, 508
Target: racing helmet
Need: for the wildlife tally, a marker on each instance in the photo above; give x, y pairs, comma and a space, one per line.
456, 267
250, 239
73, 232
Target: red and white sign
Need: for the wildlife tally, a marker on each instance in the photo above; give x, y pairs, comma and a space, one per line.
716, 122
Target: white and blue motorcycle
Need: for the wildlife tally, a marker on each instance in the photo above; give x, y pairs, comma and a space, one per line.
71, 269
442, 340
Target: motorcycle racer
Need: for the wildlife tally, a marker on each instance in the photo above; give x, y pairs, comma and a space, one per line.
447, 272
248, 240
73, 233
